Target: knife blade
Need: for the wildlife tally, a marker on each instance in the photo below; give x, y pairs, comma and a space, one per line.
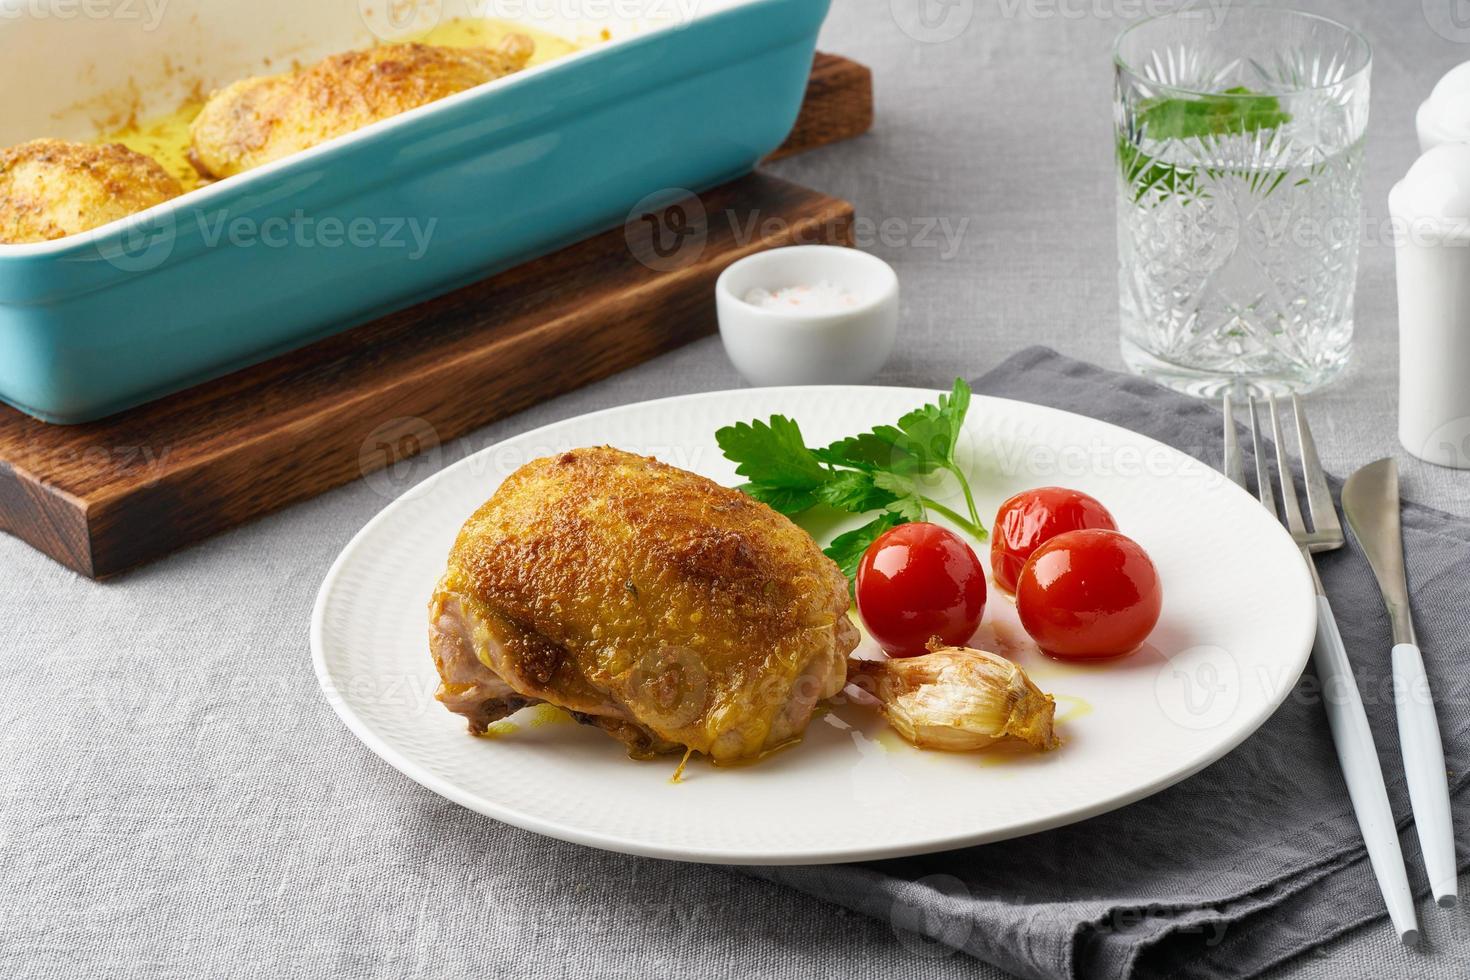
1370, 499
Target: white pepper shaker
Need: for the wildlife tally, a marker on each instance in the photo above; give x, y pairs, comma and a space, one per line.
1431, 213
1444, 117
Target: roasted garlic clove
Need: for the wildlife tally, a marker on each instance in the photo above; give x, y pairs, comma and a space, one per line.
958, 699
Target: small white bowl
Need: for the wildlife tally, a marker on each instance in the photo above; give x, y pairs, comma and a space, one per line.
777, 347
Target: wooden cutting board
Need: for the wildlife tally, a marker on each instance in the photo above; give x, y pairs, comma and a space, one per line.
108, 495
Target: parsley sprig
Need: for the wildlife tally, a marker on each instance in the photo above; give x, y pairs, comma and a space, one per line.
881, 470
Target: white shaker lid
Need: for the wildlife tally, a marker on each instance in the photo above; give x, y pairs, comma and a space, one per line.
1434, 196
1444, 117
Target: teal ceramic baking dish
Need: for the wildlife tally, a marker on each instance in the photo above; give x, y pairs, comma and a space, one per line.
254, 265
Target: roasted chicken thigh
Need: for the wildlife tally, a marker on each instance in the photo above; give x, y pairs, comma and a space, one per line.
257, 120
670, 611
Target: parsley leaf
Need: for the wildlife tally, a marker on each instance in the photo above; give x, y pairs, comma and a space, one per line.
847, 549
933, 431
786, 500
773, 456
880, 449
923, 441
855, 490
905, 500
877, 470
955, 408
910, 508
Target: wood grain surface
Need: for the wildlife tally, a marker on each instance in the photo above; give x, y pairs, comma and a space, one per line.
838, 106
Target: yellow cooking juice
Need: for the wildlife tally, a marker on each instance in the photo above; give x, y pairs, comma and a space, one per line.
461, 32
166, 138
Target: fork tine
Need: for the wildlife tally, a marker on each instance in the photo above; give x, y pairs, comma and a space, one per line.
1234, 465
1289, 503
1319, 497
1263, 470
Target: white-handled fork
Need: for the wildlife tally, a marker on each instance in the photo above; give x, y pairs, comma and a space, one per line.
1346, 717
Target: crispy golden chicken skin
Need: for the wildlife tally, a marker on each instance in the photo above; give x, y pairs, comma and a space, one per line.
669, 610
54, 188
257, 120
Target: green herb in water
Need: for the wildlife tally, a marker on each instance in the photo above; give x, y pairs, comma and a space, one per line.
1235, 111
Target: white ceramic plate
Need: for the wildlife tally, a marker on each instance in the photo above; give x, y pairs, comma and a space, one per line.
1235, 634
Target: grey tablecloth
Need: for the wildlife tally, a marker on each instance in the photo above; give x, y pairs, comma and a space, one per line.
176, 800
1249, 863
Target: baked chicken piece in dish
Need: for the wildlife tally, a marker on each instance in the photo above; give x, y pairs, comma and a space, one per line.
54, 188
257, 120
670, 611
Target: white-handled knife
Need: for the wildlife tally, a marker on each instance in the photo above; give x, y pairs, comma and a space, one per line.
1370, 499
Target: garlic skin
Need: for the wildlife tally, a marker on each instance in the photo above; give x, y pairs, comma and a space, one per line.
958, 699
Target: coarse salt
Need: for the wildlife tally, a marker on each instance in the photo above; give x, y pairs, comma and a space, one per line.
819, 298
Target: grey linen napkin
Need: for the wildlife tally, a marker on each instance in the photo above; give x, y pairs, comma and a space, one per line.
1248, 863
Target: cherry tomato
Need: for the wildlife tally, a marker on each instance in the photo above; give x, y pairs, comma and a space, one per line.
1031, 518
1089, 594
916, 582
